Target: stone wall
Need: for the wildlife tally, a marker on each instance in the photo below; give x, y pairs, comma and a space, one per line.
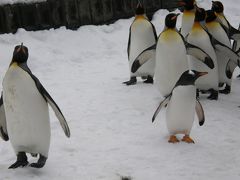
72, 13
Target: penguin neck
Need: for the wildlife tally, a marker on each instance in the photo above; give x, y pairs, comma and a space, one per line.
15, 63
141, 17
196, 25
189, 12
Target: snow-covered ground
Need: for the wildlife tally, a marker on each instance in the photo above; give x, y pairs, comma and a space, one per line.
112, 133
2, 2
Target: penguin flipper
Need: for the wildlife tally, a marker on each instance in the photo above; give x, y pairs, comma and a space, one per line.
154, 31
226, 51
162, 104
143, 57
235, 44
231, 65
234, 34
3, 124
200, 113
199, 54
49, 99
129, 43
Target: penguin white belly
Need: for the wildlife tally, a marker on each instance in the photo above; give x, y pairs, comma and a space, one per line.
181, 109
142, 37
171, 62
26, 113
218, 33
187, 22
211, 80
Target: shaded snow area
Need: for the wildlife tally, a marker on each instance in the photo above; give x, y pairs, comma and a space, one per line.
19, 1
111, 130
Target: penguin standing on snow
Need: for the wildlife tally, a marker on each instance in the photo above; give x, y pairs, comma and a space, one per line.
181, 106
142, 35
224, 52
171, 56
199, 37
24, 116
218, 8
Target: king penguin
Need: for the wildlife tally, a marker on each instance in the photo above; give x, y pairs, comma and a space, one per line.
142, 35
188, 16
199, 37
171, 56
223, 57
181, 105
24, 112
218, 8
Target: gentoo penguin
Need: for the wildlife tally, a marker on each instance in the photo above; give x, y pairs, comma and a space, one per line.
188, 16
142, 35
171, 56
24, 112
181, 104
199, 37
224, 55
218, 8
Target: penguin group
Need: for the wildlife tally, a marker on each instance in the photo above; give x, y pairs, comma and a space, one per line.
24, 115
197, 58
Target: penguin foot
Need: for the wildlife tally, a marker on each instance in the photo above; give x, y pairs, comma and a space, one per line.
41, 162
213, 95
132, 81
144, 77
149, 80
173, 139
227, 90
187, 139
21, 161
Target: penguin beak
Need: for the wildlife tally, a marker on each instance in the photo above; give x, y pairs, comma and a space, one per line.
175, 17
202, 73
139, 4
21, 49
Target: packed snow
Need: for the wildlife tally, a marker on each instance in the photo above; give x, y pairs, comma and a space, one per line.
3, 2
112, 133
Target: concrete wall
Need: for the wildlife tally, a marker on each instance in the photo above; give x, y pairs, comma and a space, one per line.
72, 13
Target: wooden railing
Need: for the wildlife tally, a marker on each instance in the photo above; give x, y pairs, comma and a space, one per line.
71, 13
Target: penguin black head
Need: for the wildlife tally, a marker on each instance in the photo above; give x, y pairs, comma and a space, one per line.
189, 77
200, 14
210, 16
217, 6
20, 54
171, 20
139, 9
187, 4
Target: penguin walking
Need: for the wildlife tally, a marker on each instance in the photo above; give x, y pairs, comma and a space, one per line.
199, 37
224, 55
171, 56
181, 105
218, 8
24, 115
142, 35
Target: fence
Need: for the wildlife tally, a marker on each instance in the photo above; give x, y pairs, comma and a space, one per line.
72, 13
